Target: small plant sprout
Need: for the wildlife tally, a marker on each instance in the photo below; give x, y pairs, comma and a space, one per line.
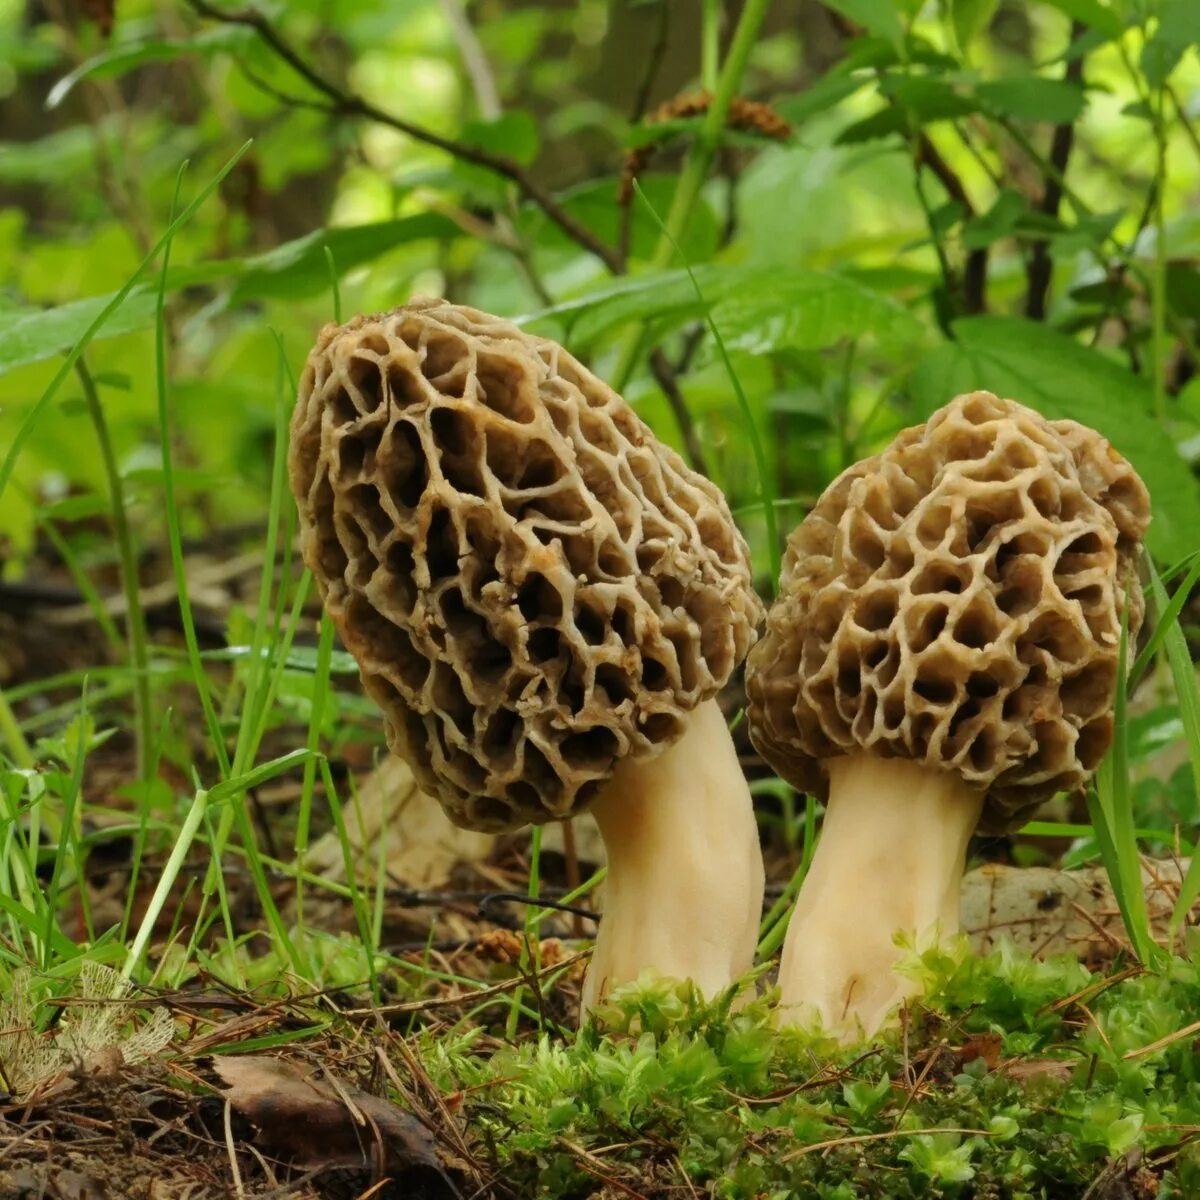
943, 655
544, 601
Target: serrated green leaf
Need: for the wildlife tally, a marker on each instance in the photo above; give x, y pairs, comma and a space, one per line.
758, 310
1054, 374
1033, 98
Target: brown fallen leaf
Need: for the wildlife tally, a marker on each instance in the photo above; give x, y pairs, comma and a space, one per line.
307, 1117
982, 1045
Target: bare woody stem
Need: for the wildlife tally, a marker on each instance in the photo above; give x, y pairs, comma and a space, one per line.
684, 890
890, 861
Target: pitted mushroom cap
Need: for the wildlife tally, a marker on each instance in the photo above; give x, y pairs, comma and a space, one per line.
957, 600
533, 586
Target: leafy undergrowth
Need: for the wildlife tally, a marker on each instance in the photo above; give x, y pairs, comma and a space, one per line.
1014, 1078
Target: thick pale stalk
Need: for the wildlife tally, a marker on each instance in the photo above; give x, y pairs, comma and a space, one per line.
890, 860
683, 896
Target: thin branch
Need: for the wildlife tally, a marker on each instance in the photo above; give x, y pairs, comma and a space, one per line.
974, 281
669, 382
1041, 265
348, 103
640, 104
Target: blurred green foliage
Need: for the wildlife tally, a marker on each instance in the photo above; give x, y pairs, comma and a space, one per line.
973, 193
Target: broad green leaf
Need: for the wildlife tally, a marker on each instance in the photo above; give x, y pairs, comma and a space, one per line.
1032, 98
876, 16
301, 268
1054, 374
809, 310
121, 59
758, 310
295, 269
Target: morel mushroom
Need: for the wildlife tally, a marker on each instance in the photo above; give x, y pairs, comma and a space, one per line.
943, 655
544, 601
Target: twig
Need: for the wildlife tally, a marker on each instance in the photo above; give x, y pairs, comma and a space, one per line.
974, 281
349, 103
668, 380
1040, 263
413, 1006
640, 103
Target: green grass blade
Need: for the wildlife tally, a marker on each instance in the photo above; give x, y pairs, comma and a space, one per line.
174, 535
1110, 806
1167, 619
766, 486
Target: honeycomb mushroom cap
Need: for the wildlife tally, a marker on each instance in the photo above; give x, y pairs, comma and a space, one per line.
533, 586
957, 601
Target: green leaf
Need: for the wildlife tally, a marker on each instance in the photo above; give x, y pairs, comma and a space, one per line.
1178, 30
1054, 374
809, 310
295, 269
29, 335
928, 99
876, 16
881, 124
758, 310
1092, 13
301, 268
1032, 98
823, 95
999, 221
970, 18
121, 59
513, 135
592, 204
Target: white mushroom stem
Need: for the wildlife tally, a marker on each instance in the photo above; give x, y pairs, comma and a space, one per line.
890, 861
683, 895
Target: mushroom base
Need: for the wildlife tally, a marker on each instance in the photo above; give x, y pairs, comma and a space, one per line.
683, 895
889, 862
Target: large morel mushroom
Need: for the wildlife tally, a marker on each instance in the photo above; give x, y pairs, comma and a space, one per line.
943, 655
544, 601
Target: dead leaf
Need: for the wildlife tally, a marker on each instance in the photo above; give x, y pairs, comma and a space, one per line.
982, 1045
312, 1120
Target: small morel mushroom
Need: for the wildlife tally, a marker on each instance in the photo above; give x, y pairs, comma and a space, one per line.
943, 655
544, 601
